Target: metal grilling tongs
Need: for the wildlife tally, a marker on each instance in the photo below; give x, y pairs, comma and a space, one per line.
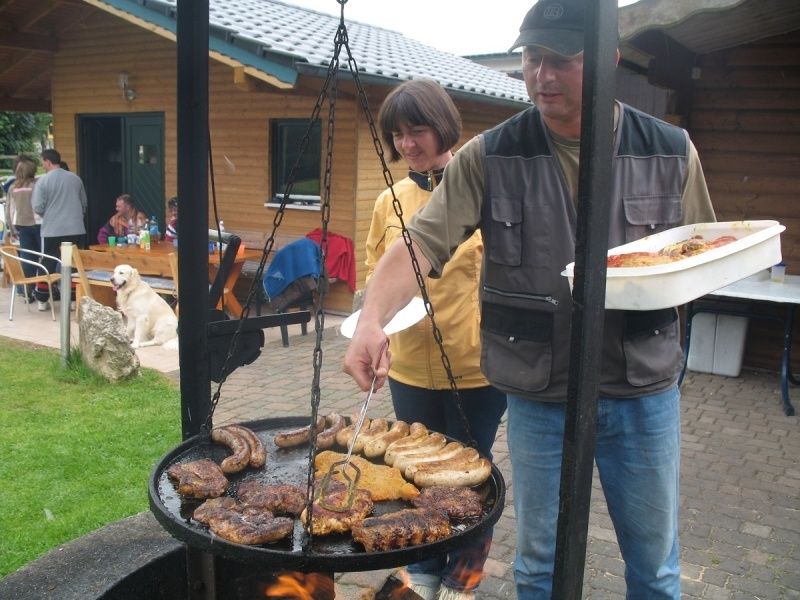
341, 466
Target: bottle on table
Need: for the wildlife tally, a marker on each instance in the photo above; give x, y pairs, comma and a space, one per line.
155, 233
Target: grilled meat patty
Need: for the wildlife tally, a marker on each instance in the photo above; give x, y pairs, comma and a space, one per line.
457, 502
251, 526
280, 499
409, 527
326, 521
199, 479
242, 524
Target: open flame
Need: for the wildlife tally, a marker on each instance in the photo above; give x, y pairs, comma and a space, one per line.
301, 586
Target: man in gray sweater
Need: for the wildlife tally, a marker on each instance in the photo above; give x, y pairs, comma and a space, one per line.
60, 198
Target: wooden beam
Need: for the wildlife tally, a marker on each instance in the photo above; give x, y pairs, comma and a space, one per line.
41, 105
27, 41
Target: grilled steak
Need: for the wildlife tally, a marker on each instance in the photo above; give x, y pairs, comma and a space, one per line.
457, 502
251, 526
199, 479
326, 521
215, 508
242, 524
280, 499
409, 527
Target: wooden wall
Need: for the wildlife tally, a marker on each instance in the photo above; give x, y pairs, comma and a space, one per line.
745, 123
86, 69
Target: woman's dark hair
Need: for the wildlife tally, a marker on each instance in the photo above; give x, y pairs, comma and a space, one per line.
420, 102
172, 202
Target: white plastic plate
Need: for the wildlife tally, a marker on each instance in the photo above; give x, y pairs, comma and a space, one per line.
407, 316
757, 247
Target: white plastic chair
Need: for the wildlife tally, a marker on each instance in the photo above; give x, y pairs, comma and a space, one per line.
13, 264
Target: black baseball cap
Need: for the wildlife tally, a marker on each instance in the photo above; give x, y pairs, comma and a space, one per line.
555, 25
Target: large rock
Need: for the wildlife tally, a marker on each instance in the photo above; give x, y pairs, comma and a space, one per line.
104, 342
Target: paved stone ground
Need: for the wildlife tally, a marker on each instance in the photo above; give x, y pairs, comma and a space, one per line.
740, 483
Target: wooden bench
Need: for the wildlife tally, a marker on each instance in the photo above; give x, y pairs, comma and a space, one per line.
94, 270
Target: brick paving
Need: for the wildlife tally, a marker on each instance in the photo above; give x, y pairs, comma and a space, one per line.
740, 482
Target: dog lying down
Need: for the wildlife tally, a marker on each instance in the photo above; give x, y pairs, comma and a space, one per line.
149, 319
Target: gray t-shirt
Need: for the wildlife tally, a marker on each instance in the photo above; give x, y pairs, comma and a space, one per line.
60, 198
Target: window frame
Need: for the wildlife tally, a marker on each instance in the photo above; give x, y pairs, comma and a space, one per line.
286, 133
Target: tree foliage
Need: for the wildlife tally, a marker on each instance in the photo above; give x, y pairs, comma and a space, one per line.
19, 131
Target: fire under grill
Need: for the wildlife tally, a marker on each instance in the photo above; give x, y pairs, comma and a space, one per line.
334, 553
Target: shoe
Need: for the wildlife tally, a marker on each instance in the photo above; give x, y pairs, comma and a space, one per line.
446, 593
425, 592
42, 306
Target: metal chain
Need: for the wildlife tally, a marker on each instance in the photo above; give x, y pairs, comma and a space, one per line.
398, 209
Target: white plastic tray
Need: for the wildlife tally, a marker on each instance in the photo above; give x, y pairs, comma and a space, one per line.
407, 316
757, 247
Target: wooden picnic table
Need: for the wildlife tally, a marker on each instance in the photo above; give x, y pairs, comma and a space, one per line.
159, 255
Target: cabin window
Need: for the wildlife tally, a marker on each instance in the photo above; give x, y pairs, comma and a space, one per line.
286, 136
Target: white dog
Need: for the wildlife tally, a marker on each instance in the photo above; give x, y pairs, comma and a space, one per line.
150, 320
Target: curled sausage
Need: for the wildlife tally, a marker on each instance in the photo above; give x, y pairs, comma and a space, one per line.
472, 474
299, 436
377, 446
428, 443
327, 437
376, 427
237, 444
403, 461
258, 453
460, 459
346, 433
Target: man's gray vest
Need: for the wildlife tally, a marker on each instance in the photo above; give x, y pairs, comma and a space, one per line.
528, 223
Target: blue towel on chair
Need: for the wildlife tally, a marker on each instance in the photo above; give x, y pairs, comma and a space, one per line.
295, 260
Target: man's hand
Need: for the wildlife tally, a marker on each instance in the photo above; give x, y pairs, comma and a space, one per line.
367, 355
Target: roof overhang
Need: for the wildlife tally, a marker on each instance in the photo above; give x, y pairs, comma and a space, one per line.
273, 68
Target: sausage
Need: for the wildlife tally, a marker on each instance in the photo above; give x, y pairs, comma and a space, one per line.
376, 427
474, 474
377, 446
344, 435
460, 459
403, 461
237, 444
299, 436
327, 437
258, 453
430, 443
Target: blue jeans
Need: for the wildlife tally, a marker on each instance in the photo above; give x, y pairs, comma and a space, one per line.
638, 459
483, 407
29, 240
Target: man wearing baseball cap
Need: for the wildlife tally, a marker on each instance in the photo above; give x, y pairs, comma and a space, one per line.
518, 183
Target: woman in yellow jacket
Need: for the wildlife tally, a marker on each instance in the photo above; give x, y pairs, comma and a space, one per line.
420, 124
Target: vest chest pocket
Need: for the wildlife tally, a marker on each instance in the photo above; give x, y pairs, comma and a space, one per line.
505, 235
646, 215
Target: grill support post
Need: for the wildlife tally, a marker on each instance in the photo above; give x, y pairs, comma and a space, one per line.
594, 191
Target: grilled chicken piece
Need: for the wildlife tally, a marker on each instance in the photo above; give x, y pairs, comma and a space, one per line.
326, 521
409, 527
251, 526
457, 502
279, 499
199, 479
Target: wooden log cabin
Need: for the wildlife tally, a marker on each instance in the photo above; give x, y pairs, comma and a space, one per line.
110, 67
732, 68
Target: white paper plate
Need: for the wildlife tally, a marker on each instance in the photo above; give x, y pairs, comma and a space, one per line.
407, 316
758, 247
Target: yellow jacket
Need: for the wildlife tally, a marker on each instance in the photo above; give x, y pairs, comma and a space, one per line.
416, 359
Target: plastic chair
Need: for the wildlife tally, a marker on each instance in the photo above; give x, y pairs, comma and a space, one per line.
13, 264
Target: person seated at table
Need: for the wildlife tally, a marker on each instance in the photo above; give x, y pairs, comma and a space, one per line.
171, 232
127, 215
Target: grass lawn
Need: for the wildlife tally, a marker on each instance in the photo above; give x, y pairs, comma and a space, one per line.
77, 450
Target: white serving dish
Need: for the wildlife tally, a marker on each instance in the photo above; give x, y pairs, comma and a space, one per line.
757, 247
407, 316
